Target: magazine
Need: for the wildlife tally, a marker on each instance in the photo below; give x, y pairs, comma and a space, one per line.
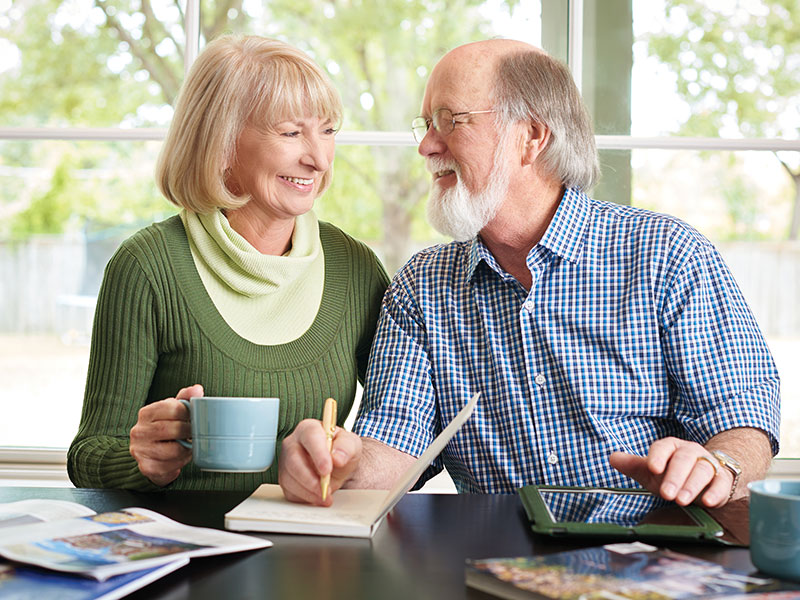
619, 571
25, 512
20, 582
103, 545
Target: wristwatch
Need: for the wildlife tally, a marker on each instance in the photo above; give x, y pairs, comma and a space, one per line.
732, 465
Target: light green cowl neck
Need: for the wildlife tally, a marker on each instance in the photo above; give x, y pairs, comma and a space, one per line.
265, 299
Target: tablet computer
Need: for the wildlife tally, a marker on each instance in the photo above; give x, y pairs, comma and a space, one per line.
616, 513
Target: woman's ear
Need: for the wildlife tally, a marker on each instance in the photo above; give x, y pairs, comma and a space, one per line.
231, 183
537, 136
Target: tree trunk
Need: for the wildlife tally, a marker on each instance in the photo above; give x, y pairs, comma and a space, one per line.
396, 235
794, 227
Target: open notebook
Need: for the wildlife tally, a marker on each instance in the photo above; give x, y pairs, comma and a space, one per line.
354, 513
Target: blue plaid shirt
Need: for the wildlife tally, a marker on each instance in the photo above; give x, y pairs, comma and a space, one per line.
633, 330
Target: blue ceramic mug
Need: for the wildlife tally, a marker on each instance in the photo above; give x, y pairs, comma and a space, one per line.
232, 435
775, 527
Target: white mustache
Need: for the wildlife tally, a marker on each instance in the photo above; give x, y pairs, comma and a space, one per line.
437, 165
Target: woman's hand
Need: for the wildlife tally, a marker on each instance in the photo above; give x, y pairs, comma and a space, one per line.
153, 444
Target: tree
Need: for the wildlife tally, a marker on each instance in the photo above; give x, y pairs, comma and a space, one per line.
123, 55
738, 68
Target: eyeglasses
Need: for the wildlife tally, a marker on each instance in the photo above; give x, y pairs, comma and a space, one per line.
443, 120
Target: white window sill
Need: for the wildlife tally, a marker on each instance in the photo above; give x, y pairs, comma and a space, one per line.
40, 467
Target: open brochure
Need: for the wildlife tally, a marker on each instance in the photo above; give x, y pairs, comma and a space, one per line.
18, 582
103, 545
354, 513
25, 512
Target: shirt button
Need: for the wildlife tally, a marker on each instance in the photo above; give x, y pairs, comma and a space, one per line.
552, 458
539, 379
529, 305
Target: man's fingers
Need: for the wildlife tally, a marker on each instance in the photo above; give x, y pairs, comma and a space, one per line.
681, 479
661, 453
303, 489
689, 483
346, 445
635, 467
304, 455
305, 458
719, 490
677, 470
310, 435
628, 464
300, 481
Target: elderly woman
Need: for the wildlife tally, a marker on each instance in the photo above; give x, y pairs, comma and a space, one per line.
244, 293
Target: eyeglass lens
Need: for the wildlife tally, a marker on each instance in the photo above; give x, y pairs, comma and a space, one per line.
442, 121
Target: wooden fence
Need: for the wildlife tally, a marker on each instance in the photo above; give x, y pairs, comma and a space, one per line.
48, 285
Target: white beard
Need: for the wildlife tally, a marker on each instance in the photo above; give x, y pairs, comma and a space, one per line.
459, 213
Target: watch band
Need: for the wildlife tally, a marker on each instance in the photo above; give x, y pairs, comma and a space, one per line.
732, 465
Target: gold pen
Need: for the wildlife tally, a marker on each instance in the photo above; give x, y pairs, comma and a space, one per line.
329, 424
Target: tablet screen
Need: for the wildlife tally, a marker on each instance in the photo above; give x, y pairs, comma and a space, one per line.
626, 508
613, 513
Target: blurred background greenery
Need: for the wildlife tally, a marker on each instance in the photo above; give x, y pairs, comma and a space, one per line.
668, 69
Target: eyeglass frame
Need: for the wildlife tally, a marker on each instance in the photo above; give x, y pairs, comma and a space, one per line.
452, 121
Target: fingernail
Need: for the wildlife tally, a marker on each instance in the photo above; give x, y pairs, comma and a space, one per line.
668, 491
684, 496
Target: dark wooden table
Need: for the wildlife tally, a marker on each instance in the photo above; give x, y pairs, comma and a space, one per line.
417, 553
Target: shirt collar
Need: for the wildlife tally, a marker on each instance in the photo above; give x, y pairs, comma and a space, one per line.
566, 232
564, 236
476, 252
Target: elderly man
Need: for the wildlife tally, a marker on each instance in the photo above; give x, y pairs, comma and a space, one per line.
610, 344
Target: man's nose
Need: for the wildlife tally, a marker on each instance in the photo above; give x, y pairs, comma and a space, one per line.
432, 143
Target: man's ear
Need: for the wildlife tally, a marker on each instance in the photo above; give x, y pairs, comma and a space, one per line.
537, 136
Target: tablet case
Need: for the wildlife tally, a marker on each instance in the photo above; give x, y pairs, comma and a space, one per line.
706, 529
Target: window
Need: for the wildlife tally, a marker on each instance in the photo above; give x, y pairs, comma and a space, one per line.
695, 105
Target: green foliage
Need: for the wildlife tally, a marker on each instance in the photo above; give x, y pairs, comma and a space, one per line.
741, 202
351, 202
49, 212
738, 69
63, 77
121, 62
88, 187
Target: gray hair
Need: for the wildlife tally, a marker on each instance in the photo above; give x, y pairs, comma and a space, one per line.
532, 86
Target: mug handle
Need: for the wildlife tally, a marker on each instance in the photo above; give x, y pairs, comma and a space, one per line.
187, 404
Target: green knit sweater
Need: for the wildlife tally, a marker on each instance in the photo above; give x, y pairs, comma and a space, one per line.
156, 331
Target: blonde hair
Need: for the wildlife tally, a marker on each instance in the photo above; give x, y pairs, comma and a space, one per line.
236, 80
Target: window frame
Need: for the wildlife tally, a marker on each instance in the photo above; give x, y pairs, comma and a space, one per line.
32, 464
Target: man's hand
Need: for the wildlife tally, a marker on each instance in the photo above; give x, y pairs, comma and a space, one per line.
153, 444
305, 459
678, 470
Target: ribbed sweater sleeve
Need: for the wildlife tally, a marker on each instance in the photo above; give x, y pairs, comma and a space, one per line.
156, 331
122, 361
